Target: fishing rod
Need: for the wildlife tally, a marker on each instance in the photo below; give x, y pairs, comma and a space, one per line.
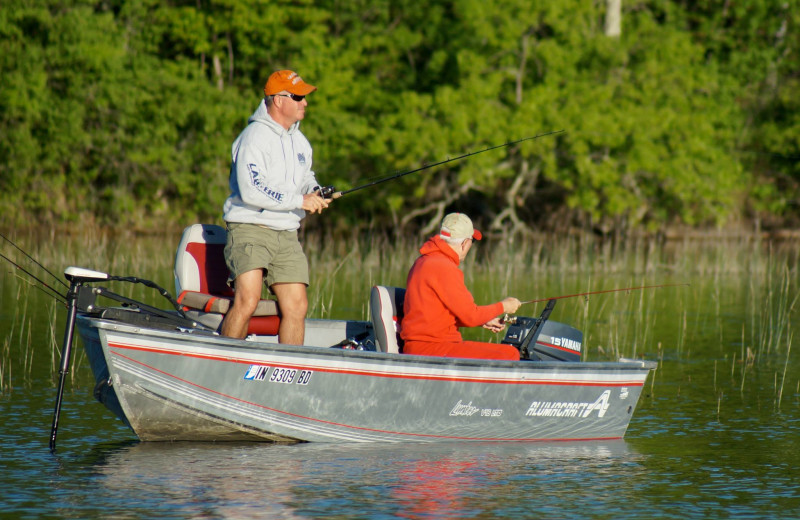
329, 192
60, 298
33, 260
606, 291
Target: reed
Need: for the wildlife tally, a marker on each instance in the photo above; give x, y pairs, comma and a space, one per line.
756, 281
785, 367
5, 367
54, 346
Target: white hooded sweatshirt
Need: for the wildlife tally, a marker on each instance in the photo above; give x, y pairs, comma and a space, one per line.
270, 173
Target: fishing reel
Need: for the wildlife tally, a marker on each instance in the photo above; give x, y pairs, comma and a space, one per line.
326, 192
357, 342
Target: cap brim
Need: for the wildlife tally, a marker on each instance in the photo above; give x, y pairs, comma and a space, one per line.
476, 234
301, 89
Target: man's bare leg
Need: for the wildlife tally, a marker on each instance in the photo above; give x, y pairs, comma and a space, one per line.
293, 302
248, 293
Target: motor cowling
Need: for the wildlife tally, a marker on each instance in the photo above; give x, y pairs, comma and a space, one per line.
556, 341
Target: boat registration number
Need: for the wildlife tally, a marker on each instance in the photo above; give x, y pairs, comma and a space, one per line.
290, 375
278, 375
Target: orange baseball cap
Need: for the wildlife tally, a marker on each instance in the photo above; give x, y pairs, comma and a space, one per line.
289, 81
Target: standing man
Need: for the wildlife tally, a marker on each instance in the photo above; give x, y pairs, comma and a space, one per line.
437, 302
272, 186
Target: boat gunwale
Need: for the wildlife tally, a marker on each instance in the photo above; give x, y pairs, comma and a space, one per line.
221, 342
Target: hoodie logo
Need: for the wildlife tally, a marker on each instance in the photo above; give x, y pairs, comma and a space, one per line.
258, 183
301, 158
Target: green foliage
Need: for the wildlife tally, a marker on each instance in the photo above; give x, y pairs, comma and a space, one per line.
123, 112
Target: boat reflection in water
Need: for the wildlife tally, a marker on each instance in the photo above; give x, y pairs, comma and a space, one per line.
415, 480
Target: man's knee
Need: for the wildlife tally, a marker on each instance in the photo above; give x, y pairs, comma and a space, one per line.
245, 305
293, 307
248, 292
292, 300
300, 308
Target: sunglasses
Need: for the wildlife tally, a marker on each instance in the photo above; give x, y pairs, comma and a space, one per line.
294, 97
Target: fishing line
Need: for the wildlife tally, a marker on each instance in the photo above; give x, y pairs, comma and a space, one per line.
607, 291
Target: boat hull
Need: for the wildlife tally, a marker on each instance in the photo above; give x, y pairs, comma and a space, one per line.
181, 385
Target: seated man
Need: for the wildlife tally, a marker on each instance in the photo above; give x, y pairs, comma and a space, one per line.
437, 302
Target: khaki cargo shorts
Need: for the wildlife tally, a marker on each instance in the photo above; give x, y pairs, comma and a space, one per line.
279, 253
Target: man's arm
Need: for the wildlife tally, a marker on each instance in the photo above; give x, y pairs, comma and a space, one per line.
261, 188
457, 298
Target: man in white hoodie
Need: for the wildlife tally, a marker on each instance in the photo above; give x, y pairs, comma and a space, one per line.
272, 186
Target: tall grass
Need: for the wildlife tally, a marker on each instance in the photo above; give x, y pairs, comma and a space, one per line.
741, 291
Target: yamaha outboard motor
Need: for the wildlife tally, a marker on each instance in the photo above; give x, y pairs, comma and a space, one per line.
539, 339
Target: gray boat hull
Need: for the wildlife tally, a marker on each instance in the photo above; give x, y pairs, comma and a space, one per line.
185, 385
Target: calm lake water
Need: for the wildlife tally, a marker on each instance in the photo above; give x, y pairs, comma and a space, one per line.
716, 433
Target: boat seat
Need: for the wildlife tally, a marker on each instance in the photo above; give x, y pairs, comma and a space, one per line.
201, 281
386, 309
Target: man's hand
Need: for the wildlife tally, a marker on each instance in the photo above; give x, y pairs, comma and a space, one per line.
313, 203
510, 305
495, 325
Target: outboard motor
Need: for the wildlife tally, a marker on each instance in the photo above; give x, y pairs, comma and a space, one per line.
539, 339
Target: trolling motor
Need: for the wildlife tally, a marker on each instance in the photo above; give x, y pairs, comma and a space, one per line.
77, 277
82, 297
539, 339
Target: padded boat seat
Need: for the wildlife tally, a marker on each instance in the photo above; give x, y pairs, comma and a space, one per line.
386, 309
201, 280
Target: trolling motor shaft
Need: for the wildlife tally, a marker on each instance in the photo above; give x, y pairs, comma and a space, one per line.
77, 277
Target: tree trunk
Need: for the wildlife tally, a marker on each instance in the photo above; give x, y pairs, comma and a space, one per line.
218, 72
613, 18
230, 58
524, 185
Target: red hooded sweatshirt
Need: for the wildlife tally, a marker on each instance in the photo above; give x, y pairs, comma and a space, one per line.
437, 302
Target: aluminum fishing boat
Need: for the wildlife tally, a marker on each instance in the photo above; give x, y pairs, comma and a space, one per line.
170, 376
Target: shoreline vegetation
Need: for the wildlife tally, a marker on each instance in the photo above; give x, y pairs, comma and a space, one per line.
123, 113
318, 226
711, 251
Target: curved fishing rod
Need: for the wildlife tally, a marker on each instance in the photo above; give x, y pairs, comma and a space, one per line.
606, 291
33, 260
329, 192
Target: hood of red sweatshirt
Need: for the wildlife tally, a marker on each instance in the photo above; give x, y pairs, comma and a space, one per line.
437, 245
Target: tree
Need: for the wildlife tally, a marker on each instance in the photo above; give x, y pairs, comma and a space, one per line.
123, 111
